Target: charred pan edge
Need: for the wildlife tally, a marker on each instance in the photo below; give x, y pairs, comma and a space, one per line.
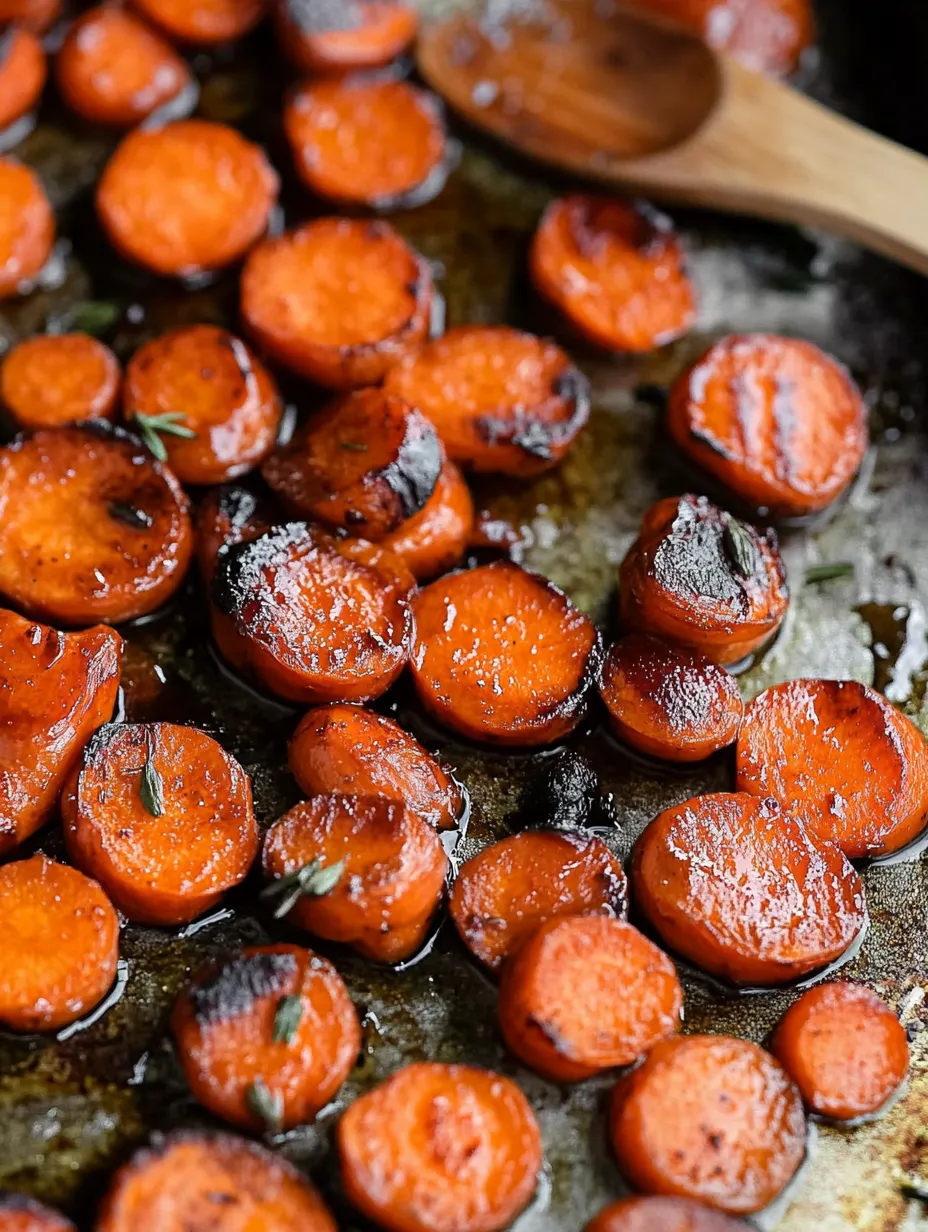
227, 989
414, 473
239, 566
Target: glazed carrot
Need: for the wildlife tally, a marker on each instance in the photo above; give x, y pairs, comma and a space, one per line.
767, 35
187, 198
739, 887
197, 1180
501, 400
615, 270
698, 577
508, 891
839, 756
317, 619
709, 1118
354, 34
362, 870
209, 401
57, 379
433, 540
666, 1214
502, 655
203, 22
22, 74
669, 702
354, 752
19, 1213
440, 1146
337, 300
229, 515
61, 943
27, 228
162, 815
92, 528
34, 15
266, 1036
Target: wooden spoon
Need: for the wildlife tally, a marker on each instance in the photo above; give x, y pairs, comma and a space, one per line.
604, 92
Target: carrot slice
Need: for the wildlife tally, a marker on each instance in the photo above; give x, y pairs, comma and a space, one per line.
506, 892
229, 515
440, 1146
61, 939
162, 815
205, 383
57, 379
839, 756
266, 1036
27, 228
318, 619
743, 891
433, 540
372, 141
204, 22
388, 871
208, 1180
584, 994
187, 198
22, 74
666, 1214
21, 1214
34, 15
112, 69
709, 1118
703, 579
353, 34
337, 300
502, 655
615, 270
347, 750
56, 689
668, 702
92, 528
766, 35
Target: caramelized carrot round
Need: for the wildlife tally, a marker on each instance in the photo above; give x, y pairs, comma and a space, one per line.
584, 994
700, 578
162, 815
390, 870
433, 540
354, 752
739, 887
506, 892
615, 270
112, 69
34, 15
709, 1118
229, 515
337, 300
668, 702
57, 379
275, 1017
502, 655
501, 400
21, 1214
22, 73
187, 198
61, 943
353, 34
839, 756
207, 383
663, 1214
440, 1146
203, 22
27, 228
92, 528
365, 464
766, 35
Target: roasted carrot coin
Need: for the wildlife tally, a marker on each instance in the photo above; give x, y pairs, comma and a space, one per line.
506, 892
363, 870
61, 939
34, 15
440, 1146
433, 540
668, 702
203, 22
739, 887
337, 300
21, 1214
501, 400
22, 73
709, 1118
162, 815
229, 515
187, 198
353, 34
355, 752
57, 379
615, 270
700, 578
92, 528
27, 227
766, 35
266, 1036
208, 399
839, 756
662, 1215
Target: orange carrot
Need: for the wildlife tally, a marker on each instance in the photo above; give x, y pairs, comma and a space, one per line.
27, 227
19, 1213
22, 73
57, 379
766, 35
433, 540
665, 1214
229, 515
203, 22
355, 34
33, 15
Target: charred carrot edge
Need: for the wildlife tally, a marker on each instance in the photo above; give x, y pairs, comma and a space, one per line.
229, 515
22, 73
27, 230
19, 1213
666, 1214
56, 379
433, 540
372, 36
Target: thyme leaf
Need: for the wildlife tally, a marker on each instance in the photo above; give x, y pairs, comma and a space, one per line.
153, 427
287, 1019
311, 881
353, 446
739, 547
151, 788
829, 571
93, 316
267, 1107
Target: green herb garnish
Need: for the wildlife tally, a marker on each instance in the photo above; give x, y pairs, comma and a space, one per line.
262, 1104
287, 1019
151, 788
912, 1186
311, 881
828, 572
353, 446
739, 546
93, 316
153, 427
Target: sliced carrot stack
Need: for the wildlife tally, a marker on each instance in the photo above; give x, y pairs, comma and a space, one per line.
337, 300
62, 942
203, 22
34, 15
162, 815
666, 1214
266, 1036
57, 379
508, 891
27, 228
22, 74
766, 35
354, 34
739, 887
500, 399
19, 1213
615, 270
229, 515
433, 540
362, 870
440, 1146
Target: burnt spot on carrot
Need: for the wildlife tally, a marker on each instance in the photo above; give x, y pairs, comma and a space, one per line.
341, 35
563, 795
766, 35
27, 228
229, 515
203, 22
56, 379
22, 74
435, 539
668, 1214
19, 1213
229, 988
